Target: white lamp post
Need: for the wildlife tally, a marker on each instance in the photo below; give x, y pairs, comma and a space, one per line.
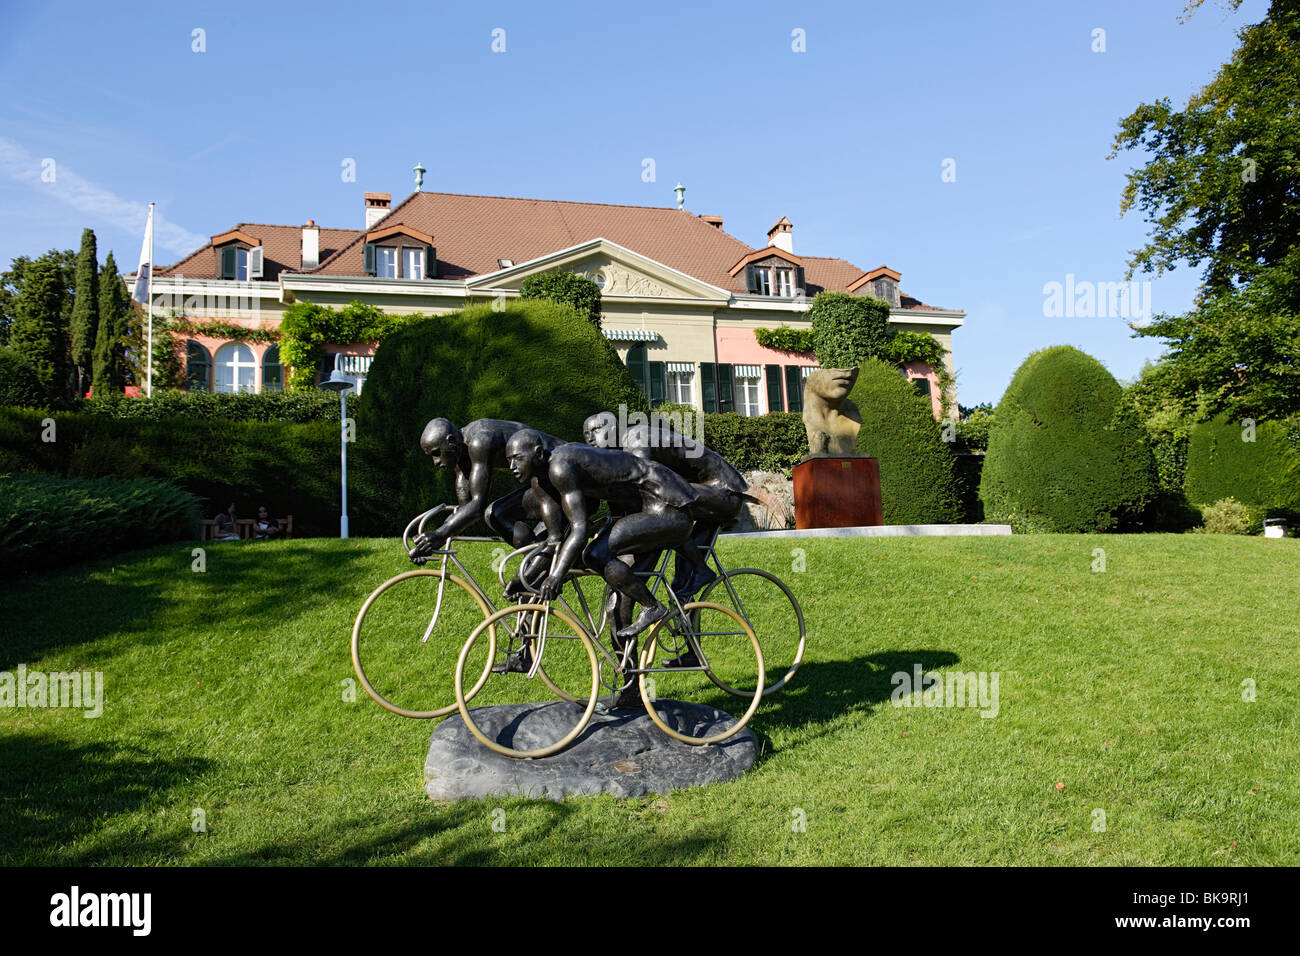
338, 382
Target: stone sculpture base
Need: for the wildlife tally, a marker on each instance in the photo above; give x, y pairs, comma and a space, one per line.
837, 493
620, 752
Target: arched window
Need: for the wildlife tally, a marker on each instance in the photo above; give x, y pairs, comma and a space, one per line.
272, 370
236, 368
198, 368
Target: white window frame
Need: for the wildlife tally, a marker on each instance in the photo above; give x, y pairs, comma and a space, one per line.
381, 267
241, 265
741, 389
237, 385
763, 281
412, 262
681, 388
784, 283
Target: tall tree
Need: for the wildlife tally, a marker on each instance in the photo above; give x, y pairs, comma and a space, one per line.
1221, 191
40, 328
111, 338
85, 311
11, 284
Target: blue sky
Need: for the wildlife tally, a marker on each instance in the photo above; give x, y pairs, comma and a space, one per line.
848, 138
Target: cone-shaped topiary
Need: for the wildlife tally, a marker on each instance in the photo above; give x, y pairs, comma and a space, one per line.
917, 485
1064, 453
536, 362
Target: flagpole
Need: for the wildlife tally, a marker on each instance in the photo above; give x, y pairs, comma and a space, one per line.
148, 386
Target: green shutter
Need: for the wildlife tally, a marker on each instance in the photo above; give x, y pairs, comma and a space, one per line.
749, 277
658, 383
799, 287
794, 387
773, 374
228, 262
430, 262
370, 258
708, 388
725, 401
636, 367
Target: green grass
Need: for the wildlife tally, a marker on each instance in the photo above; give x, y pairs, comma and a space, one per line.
224, 691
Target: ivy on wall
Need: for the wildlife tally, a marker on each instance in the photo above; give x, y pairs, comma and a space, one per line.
306, 328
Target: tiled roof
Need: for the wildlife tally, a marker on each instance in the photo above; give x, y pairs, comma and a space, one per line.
470, 233
281, 245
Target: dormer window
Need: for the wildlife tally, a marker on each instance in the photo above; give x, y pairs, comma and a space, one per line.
880, 283
771, 271
239, 256
762, 282
399, 252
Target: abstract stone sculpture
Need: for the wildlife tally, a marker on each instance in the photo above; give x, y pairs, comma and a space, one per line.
832, 420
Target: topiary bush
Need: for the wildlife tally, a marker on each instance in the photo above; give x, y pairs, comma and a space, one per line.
848, 329
917, 482
1257, 465
534, 361
19, 383
1065, 452
566, 288
47, 520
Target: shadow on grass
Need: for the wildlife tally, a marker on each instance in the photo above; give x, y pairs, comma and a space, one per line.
127, 594
51, 792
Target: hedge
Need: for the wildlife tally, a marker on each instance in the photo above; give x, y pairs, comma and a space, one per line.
1263, 474
533, 361
773, 442
291, 468
19, 382
848, 329
566, 288
917, 480
47, 521
1065, 452
299, 405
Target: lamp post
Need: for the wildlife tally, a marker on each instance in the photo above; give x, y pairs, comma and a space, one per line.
338, 382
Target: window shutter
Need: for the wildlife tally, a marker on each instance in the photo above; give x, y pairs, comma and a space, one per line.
636, 366
708, 386
255, 258
430, 262
794, 387
800, 283
749, 278
922, 386
228, 262
725, 401
370, 258
774, 402
658, 383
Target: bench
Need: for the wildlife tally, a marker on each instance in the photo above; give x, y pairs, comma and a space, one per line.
244, 526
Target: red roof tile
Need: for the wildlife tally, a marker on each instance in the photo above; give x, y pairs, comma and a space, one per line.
281, 249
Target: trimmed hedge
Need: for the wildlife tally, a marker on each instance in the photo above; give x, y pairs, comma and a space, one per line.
1263, 474
1065, 452
299, 405
534, 361
773, 442
848, 329
47, 521
566, 288
917, 480
19, 383
292, 468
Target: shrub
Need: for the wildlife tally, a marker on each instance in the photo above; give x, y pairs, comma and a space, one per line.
566, 288
536, 362
1263, 474
1065, 453
784, 339
917, 482
19, 383
299, 405
972, 432
848, 329
293, 468
773, 442
305, 327
1229, 516
46, 520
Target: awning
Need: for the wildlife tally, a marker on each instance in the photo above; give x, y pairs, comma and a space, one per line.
681, 367
631, 335
749, 371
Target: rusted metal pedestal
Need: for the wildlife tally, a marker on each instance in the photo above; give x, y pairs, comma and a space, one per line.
837, 493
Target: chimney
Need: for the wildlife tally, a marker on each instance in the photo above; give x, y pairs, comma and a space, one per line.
781, 235
310, 245
377, 206
714, 221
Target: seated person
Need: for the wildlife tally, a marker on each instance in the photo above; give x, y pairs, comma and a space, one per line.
224, 527
265, 527
652, 508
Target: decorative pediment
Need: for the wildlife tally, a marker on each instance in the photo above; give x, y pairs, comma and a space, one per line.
617, 270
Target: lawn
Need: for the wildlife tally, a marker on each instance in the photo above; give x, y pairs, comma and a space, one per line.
1119, 691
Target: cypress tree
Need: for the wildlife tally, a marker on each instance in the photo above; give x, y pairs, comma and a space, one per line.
85, 310
40, 329
110, 339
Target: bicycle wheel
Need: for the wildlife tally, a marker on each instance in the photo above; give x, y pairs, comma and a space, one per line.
728, 654
570, 657
403, 653
772, 612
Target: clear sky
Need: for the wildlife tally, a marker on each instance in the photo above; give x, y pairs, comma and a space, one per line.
848, 138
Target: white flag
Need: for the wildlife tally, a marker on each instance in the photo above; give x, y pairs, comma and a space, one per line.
141, 292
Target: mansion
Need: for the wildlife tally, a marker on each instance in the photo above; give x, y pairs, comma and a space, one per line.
680, 297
